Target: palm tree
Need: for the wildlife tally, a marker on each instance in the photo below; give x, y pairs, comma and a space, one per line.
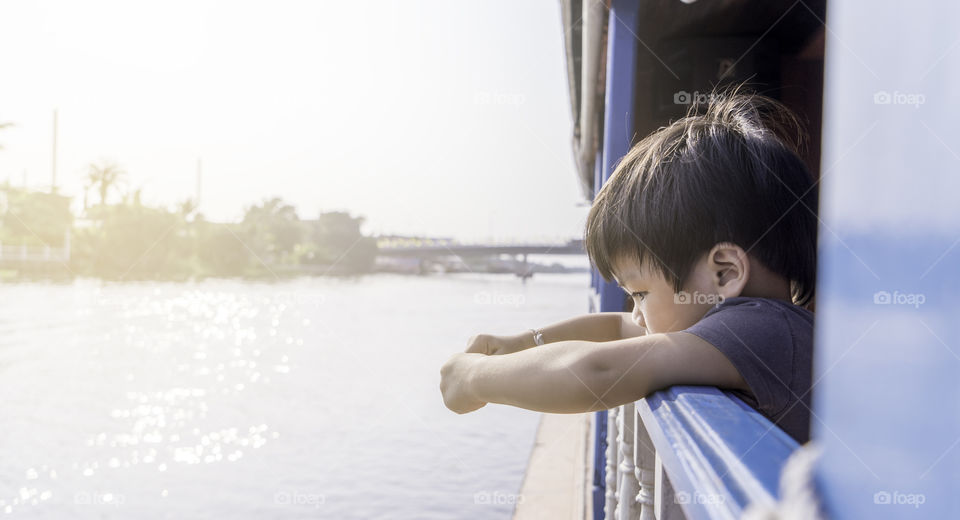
187, 207
103, 177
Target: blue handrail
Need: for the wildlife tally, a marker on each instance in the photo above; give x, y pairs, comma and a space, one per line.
720, 454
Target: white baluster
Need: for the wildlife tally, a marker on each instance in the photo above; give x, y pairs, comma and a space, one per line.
644, 455
628, 486
611, 458
666, 503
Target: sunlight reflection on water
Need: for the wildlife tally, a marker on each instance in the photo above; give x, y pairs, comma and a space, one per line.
303, 398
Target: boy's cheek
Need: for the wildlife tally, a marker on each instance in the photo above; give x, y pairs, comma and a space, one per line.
669, 317
638, 317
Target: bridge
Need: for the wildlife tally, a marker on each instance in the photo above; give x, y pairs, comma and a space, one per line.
433, 247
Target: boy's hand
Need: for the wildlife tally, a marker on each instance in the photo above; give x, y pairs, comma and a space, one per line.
455, 383
491, 345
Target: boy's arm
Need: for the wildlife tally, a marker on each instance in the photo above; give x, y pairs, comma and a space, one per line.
594, 327
580, 376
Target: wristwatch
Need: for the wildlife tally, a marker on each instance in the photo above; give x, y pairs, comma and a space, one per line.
537, 336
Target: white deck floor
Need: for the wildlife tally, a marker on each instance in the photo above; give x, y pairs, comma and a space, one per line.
558, 478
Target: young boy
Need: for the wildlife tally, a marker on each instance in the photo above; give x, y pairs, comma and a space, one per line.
709, 225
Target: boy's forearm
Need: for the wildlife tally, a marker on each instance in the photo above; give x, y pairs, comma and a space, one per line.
563, 377
596, 327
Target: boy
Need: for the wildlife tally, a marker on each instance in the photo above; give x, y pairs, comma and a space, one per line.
709, 225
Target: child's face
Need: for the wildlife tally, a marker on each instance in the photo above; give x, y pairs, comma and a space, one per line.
656, 306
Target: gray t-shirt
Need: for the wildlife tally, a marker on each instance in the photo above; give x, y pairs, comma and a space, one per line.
770, 342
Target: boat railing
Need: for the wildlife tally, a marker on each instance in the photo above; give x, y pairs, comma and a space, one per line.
692, 452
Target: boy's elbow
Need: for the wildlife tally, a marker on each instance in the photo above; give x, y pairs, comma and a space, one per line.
613, 384
621, 389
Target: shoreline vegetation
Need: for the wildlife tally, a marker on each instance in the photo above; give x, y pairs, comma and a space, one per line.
127, 240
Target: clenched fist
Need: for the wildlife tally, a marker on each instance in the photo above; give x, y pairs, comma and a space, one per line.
455, 383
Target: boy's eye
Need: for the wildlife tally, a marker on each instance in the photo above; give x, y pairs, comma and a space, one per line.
639, 295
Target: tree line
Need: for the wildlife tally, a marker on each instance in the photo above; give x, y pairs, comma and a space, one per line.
116, 236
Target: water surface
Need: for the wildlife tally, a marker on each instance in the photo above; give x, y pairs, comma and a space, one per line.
309, 398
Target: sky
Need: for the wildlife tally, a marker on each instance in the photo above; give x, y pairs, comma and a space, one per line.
431, 118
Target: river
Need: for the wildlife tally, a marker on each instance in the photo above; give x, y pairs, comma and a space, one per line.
307, 398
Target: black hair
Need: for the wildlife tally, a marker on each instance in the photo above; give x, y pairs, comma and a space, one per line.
730, 171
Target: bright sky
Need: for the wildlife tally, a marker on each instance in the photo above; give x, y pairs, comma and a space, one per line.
440, 118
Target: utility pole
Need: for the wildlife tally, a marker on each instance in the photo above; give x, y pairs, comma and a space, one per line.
53, 180
199, 180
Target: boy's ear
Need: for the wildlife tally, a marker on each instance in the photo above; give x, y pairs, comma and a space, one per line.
730, 269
